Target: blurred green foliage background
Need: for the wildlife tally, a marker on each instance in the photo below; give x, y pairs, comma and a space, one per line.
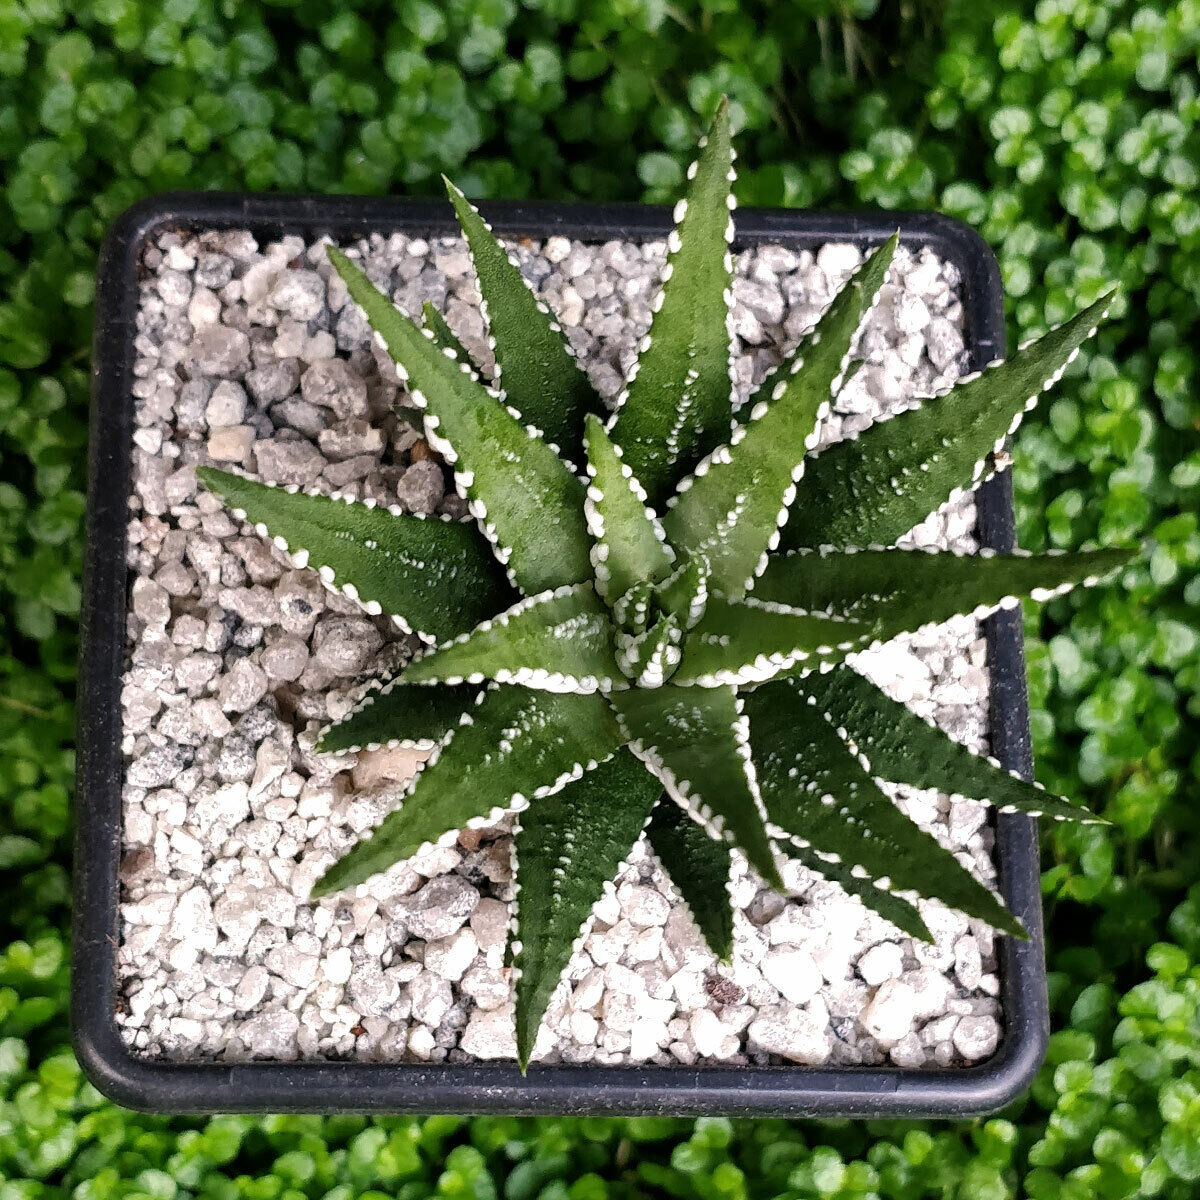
1068, 132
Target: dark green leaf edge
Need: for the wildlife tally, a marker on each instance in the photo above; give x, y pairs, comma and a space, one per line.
672, 835
1078, 814
376, 689
693, 804
798, 661
659, 484
299, 558
991, 461
840, 323
575, 394
1039, 595
536, 678
331, 881
527, 1029
380, 309
898, 907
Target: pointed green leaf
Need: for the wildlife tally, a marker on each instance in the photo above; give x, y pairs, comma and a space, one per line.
695, 741
899, 590
905, 748
558, 641
870, 277
433, 577
523, 495
535, 366
699, 867
685, 592
816, 791
567, 853
629, 542
750, 641
649, 659
678, 405
874, 487
732, 508
515, 746
632, 610
391, 714
888, 905
443, 335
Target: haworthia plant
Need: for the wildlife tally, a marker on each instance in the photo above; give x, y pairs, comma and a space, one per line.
649, 627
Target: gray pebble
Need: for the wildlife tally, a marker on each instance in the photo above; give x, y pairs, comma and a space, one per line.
226, 405
976, 1038
332, 384
218, 350
421, 488
243, 687
301, 294
440, 908
345, 645
286, 461
275, 381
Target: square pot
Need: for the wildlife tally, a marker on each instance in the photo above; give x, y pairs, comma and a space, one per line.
329, 1086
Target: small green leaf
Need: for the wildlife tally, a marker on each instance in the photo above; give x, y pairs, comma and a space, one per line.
732, 508
872, 488
685, 592
888, 905
699, 867
535, 366
431, 576
649, 659
571, 846
750, 642
524, 496
695, 741
629, 543
391, 714
905, 748
514, 747
632, 610
443, 335
900, 590
559, 641
678, 405
815, 790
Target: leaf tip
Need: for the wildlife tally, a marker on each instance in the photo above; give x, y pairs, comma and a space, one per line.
922, 932
322, 887
341, 264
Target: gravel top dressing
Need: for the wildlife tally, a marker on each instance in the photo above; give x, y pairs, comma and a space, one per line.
251, 356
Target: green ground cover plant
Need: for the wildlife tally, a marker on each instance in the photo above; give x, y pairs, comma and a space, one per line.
1067, 132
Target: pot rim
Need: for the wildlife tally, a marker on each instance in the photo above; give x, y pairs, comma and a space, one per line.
325, 1086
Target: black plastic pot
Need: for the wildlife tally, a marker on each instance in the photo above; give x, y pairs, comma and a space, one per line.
320, 1086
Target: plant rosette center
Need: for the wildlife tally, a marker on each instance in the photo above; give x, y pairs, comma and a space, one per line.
645, 627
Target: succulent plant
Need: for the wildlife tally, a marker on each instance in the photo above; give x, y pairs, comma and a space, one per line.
646, 627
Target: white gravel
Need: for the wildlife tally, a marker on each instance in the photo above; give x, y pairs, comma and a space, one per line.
251, 355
